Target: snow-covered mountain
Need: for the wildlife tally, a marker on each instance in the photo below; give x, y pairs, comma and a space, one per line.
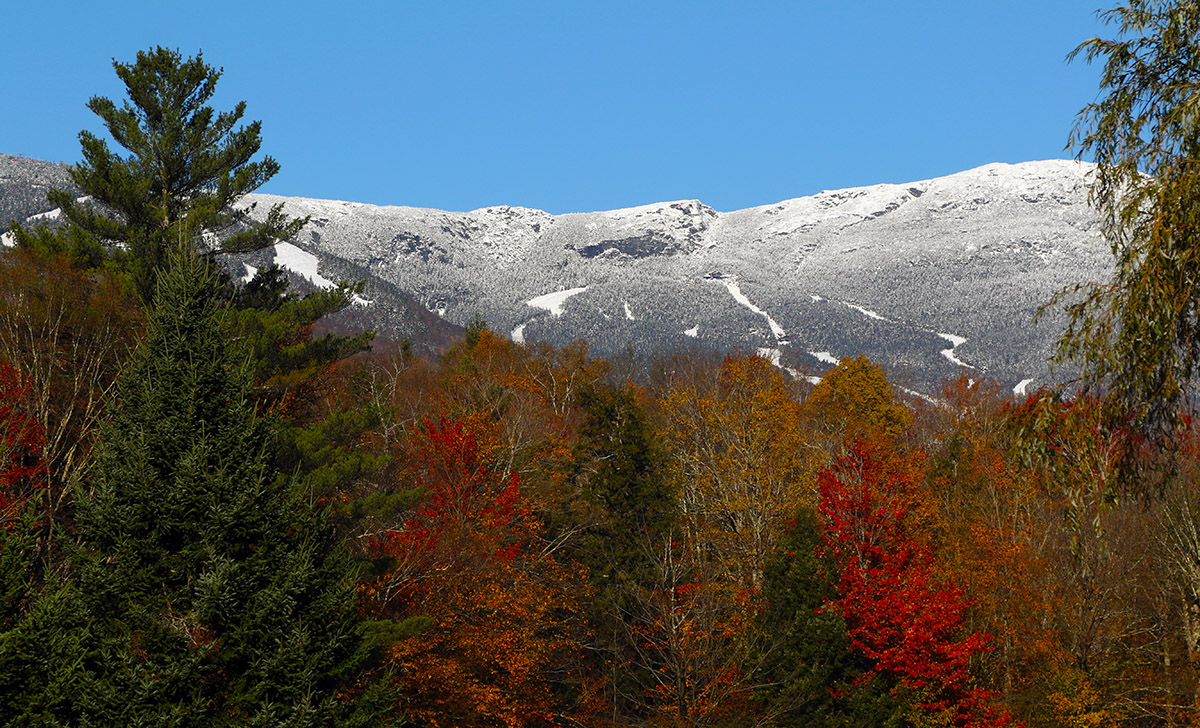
928, 278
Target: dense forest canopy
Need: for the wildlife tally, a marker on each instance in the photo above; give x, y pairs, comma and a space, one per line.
211, 516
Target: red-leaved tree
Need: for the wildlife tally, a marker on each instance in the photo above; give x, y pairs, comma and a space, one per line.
22, 478
906, 622
497, 607
22, 469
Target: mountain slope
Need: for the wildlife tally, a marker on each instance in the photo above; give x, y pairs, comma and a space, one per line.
925, 277
929, 278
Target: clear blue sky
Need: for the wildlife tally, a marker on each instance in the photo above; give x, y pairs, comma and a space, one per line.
571, 106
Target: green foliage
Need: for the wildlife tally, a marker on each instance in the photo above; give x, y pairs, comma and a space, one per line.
50, 664
274, 327
72, 242
618, 465
630, 509
809, 670
188, 166
218, 598
18, 536
474, 328
1136, 338
327, 458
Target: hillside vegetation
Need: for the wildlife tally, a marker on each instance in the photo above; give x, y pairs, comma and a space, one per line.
214, 512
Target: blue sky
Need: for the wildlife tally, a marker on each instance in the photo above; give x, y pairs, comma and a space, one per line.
573, 106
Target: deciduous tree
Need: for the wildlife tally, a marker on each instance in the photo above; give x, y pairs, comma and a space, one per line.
488, 607
898, 615
1137, 336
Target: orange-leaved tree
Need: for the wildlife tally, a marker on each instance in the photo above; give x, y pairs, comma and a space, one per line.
741, 462
495, 607
854, 401
992, 537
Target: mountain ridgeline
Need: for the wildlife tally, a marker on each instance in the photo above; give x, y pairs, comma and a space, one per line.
930, 279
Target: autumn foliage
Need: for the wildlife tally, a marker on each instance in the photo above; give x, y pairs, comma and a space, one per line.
907, 623
544, 543
465, 561
22, 469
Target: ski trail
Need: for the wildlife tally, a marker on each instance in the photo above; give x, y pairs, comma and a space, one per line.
955, 342
553, 302
732, 286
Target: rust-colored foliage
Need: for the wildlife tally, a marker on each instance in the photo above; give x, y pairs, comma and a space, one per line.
993, 531
740, 462
465, 558
519, 403
690, 631
68, 331
854, 401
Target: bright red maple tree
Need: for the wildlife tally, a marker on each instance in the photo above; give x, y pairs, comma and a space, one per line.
22, 469
464, 500
903, 619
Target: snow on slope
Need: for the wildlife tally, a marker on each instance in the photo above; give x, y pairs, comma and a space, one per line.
303, 263
973, 252
955, 342
867, 312
300, 262
49, 215
553, 302
740, 297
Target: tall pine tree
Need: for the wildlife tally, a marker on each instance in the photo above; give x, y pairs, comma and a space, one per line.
618, 470
188, 166
184, 181
219, 599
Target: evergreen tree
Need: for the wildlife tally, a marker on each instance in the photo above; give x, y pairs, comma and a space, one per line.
218, 599
809, 670
44, 648
618, 470
188, 167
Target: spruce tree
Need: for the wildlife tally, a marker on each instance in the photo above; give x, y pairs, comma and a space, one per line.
183, 177
218, 599
808, 672
618, 469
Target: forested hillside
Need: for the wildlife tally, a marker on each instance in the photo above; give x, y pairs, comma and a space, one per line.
215, 513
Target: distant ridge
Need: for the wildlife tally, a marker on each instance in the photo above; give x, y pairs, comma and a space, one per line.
930, 278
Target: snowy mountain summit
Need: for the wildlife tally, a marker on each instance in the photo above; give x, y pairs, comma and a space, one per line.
931, 278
